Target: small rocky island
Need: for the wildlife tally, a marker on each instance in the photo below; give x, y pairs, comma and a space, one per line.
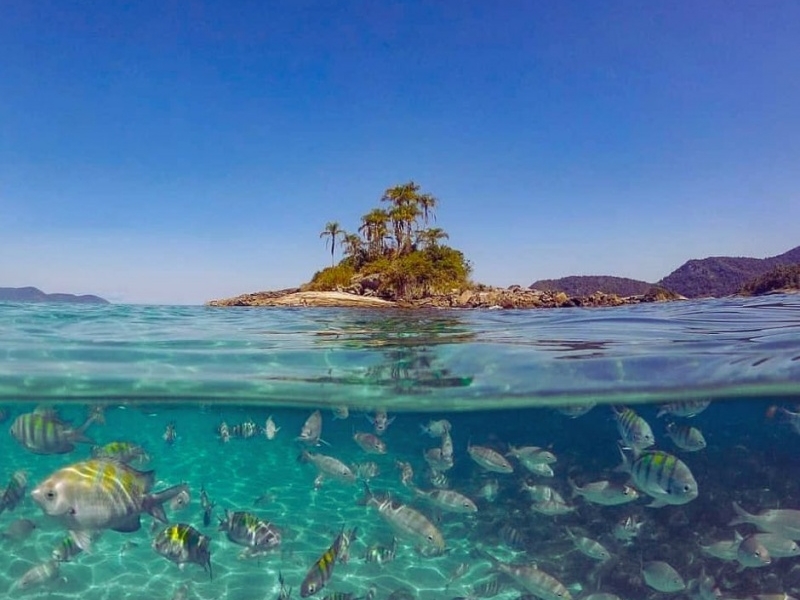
397, 260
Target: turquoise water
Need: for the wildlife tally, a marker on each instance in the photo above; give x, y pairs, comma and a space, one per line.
501, 378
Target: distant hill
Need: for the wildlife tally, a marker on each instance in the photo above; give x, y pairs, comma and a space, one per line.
32, 294
778, 279
584, 285
722, 275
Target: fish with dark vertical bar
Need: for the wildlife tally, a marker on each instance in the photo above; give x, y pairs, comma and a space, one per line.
633, 429
660, 475
321, 571
14, 491
181, 543
43, 432
248, 530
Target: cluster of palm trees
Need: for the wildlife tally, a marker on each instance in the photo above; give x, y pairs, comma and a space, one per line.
395, 231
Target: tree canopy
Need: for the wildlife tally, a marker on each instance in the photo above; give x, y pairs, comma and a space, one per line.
396, 247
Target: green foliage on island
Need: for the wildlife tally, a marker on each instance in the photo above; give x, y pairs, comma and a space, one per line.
585, 285
782, 277
396, 250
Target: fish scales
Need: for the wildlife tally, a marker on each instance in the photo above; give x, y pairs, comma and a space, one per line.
537, 582
411, 524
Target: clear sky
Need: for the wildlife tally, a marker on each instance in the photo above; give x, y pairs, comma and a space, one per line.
174, 152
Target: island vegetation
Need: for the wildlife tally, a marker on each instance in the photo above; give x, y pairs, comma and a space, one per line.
782, 278
395, 254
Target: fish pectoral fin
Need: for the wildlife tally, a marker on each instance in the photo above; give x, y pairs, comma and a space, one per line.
133, 523
83, 539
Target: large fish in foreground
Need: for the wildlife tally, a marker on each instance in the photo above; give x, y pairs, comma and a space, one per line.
783, 521
410, 524
97, 494
660, 475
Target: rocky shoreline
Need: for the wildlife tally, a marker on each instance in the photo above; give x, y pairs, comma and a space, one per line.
513, 297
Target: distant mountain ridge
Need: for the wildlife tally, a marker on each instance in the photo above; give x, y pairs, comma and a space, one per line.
32, 294
585, 285
697, 278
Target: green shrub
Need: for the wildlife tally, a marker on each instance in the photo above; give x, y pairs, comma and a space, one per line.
331, 278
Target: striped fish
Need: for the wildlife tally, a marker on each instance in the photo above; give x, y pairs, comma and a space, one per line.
38, 574
660, 475
370, 443
329, 466
181, 543
44, 433
248, 530
321, 571
633, 429
97, 494
686, 437
66, 549
532, 579
410, 524
686, 408
126, 452
489, 459
381, 554
448, 500
14, 491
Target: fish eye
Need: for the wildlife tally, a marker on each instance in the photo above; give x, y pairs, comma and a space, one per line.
430, 538
50, 495
687, 488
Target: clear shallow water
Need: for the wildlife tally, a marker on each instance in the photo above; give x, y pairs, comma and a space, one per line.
496, 376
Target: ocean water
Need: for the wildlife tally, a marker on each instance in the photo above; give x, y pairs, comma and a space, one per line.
501, 379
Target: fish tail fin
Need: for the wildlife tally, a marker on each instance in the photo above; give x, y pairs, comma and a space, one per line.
742, 516
153, 503
626, 453
83, 539
368, 495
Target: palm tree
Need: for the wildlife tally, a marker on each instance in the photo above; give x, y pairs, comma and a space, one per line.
430, 238
332, 231
374, 227
426, 203
353, 245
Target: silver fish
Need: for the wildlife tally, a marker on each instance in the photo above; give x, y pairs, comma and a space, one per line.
752, 553
627, 529
534, 580
436, 428
406, 473
783, 521
340, 412
410, 524
330, 467
777, 545
724, 549
18, 530
181, 500
312, 430
370, 443
532, 454
38, 574
543, 493
633, 429
448, 500
270, 429
552, 508
380, 421
381, 554
489, 459
437, 461
605, 493
573, 411
660, 576
489, 490
686, 408
686, 437
589, 547
45, 433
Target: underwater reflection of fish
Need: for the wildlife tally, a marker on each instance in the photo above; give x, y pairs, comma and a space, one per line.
181, 543
95, 494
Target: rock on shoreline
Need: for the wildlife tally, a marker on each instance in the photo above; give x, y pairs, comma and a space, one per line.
509, 298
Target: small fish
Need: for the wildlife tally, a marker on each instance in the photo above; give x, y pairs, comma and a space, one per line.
724, 549
488, 588
312, 430
660, 576
662, 476
532, 454
573, 411
207, 506
15, 491
436, 428
126, 452
181, 500
633, 429
552, 508
686, 408
66, 549
181, 543
448, 500
489, 490
370, 443
605, 493
783, 521
627, 529
38, 574
438, 479
380, 421
447, 447
321, 571
341, 412
340, 596
329, 466
248, 530
589, 547
409, 523
381, 554
366, 470
513, 537
437, 460
45, 433
170, 433
543, 493
532, 579
406, 473
777, 546
348, 537
127, 545
372, 591
540, 469
752, 553
270, 429
18, 530
248, 429
489, 459
686, 437
284, 593
224, 432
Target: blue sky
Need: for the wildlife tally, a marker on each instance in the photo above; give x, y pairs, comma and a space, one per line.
174, 152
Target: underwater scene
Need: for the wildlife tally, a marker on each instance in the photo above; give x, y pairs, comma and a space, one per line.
641, 452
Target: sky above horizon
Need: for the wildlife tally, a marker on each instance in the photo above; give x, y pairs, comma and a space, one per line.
161, 152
